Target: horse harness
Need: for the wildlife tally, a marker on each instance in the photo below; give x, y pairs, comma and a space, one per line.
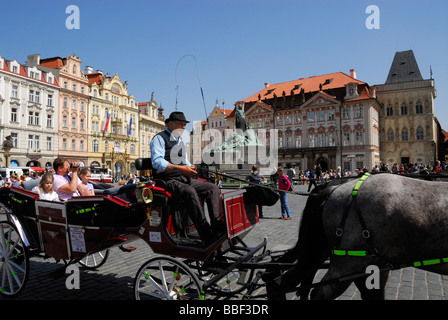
365, 232
372, 251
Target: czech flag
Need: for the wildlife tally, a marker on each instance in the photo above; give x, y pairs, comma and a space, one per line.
106, 123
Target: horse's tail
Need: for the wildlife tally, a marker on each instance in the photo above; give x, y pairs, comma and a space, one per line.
311, 249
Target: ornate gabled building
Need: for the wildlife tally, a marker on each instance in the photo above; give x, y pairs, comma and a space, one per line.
409, 131
29, 98
152, 121
332, 119
113, 124
73, 106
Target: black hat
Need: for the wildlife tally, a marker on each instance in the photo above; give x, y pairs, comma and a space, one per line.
176, 116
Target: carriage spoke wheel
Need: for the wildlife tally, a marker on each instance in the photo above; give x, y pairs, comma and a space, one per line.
236, 280
94, 260
14, 260
165, 278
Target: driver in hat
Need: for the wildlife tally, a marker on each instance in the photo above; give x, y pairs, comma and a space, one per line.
169, 158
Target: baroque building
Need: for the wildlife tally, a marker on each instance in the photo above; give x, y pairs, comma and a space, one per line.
151, 121
113, 128
409, 129
73, 106
332, 119
29, 98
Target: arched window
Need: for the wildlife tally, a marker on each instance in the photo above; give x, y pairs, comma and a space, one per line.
419, 108
420, 135
390, 135
389, 110
404, 134
404, 109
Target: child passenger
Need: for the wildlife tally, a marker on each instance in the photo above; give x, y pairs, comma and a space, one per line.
85, 174
45, 188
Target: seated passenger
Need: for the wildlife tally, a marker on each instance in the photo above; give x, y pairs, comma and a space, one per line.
65, 184
45, 188
85, 174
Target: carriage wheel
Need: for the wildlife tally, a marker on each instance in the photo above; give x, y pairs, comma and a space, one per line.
95, 260
234, 281
165, 278
14, 260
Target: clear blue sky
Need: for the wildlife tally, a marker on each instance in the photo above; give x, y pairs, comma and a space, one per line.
238, 45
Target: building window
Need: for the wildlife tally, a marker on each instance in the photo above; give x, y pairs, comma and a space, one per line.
332, 140
36, 141
418, 108
359, 138
81, 124
49, 120
298, 141
420, 135
95, 146
74, 104
81, 145
330, 115
73, 144
404, 109
310, 116
31, 96
64, 144
49, 143
73, 122
311, 141
65, 102
50, 100
346, 138
14, 91
320, 115
14, 115
132, 149
321, 140
358, 112
390, 135
404, 134
30, 141
389, 111
15, 139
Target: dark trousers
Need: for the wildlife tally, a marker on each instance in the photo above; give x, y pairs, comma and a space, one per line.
312, 182
192, 194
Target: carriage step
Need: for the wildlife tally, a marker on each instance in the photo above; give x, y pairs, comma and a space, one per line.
127, 249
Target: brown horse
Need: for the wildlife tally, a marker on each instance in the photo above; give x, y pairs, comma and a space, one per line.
390, 222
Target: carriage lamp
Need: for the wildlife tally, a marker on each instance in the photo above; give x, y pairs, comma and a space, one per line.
144, 195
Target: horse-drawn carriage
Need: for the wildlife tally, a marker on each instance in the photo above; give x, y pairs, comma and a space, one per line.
385, 220
82, 227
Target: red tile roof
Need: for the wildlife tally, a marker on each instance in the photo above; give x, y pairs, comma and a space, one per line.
311, 84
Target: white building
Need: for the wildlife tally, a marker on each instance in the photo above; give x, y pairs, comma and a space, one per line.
28, 113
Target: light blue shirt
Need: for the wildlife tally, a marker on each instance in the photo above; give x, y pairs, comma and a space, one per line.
158, 152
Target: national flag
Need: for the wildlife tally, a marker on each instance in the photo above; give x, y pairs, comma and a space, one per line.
130, 127
106, 123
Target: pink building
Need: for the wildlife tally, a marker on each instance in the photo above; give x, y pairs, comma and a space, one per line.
73, 107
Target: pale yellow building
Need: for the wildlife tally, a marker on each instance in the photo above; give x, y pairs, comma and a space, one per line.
151, 121
113, 124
